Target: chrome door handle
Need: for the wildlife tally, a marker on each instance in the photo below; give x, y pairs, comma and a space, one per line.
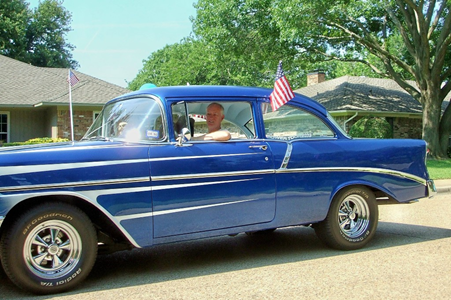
262, 147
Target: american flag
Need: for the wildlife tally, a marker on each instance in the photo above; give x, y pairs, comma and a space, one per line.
72, 79
282, 90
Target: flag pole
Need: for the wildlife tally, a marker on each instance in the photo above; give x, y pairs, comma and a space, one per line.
70, 108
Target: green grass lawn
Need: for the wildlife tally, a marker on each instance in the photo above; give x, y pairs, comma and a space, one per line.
439, 169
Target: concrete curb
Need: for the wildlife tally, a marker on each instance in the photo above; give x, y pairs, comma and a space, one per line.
445, 189
443, 185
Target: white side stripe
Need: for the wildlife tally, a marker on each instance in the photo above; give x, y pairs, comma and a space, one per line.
177, 210
13, 170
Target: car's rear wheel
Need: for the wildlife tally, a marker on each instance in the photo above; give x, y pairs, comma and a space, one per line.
49, 249
351, 221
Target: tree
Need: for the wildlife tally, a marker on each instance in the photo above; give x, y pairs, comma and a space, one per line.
176, 64
250, 31
409, 40
36, 36
246, 40
14, 17
371, 127
196, 62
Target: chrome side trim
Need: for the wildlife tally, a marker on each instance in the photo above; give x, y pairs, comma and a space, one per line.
24, 188
365, 170
200, 156
178, 186
211, 175
287, 156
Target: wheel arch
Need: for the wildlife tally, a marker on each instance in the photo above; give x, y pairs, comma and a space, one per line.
378, 191
107, 232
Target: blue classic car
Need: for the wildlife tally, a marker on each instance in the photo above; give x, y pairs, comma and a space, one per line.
149, 171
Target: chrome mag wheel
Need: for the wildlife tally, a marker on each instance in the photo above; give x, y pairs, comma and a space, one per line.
53, 249
353, 216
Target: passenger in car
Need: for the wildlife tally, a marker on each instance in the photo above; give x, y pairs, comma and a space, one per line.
120, 128
215, 115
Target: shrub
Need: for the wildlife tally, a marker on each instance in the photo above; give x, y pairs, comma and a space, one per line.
371, 127
43, 140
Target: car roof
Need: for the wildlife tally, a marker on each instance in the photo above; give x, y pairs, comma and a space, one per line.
204, 91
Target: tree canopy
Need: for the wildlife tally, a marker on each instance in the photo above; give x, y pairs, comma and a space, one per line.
36, 36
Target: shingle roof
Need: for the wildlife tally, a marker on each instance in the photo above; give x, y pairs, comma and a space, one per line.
22, 84
362, 94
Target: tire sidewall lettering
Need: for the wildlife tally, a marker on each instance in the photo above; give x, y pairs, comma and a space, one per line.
357, 240
60, 282
357, 192
39, 219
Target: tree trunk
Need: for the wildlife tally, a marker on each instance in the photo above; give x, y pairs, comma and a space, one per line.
445, 130
431, 126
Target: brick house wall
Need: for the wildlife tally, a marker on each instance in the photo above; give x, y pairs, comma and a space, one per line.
407, 128
82, 121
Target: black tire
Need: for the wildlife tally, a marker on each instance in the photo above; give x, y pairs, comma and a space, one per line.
49, 248
351, 221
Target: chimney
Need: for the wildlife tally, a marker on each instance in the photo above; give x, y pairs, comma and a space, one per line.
315, 77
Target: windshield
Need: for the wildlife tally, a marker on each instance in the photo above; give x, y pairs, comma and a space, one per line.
137, 119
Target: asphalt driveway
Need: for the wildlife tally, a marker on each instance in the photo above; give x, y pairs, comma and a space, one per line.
409, 258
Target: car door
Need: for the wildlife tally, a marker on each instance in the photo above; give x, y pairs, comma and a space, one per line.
207, 185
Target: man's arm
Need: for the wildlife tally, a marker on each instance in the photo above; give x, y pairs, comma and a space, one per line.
220, 135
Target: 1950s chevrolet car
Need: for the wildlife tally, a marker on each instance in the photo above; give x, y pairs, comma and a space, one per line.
141, 177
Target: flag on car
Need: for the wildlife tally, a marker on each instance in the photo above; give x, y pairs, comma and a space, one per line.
282, 92
72, 78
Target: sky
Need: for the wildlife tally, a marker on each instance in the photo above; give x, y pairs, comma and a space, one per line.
113, 37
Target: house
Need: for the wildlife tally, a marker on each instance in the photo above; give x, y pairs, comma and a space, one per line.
34, 101
349, 98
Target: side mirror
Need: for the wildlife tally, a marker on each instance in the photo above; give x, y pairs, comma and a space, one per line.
183, 136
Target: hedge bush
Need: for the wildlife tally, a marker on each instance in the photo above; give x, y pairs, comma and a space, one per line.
43, 140
371, 127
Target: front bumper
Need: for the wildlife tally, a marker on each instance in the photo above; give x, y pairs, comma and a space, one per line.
432, 190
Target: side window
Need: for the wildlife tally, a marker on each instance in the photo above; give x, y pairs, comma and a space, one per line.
288, 123
238, 118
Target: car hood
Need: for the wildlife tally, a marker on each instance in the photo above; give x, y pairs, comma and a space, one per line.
54, 153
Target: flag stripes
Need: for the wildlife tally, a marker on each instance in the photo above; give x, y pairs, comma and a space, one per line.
282, 92
73, 79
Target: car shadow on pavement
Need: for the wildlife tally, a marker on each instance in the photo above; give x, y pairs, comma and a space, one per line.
225, 254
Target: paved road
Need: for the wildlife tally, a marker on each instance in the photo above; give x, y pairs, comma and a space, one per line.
410, 258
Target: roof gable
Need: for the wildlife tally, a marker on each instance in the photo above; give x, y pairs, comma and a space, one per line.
362, 94
22, 84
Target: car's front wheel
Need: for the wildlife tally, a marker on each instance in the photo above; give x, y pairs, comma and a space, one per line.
49, 249
351, 221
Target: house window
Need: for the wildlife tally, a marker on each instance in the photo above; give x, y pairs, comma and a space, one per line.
4, 127
95, 115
